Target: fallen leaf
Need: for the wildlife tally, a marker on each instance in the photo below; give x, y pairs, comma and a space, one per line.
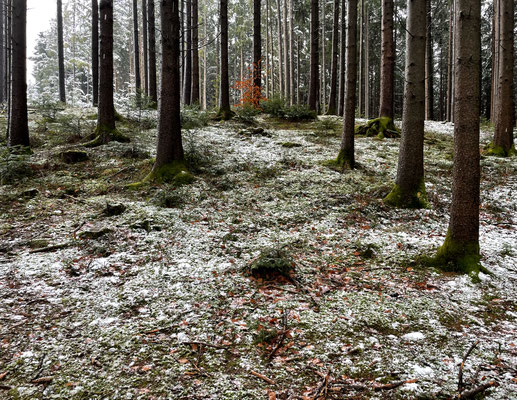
183, 360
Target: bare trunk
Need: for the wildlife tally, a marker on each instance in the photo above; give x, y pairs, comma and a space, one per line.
267, 69
195, 53
95, 52
361, 56
314, 67
153, 91
323, 69
332, 109
287, 87
342, 60
257, 53
187, 75
291, 51
145, 39
280, 51
450, 61
429, 69
2, 53
366, 63
60, 52
224, 105
388, 61
136, 50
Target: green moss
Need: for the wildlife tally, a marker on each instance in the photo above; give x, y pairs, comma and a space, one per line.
104, 134
457, 256
380, 128
414, 199
175, 173
224, 115
345, 160
498, 151
272, 262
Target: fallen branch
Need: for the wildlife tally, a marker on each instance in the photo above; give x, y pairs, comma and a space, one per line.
263, 377
323, 386
460, 373
215, 346
470, 394
51, 248
5, 387
393, 385
282, 335
43, 380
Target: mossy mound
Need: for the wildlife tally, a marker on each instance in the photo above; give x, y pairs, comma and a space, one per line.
175, 173
498, 151
103, 135
272, 264
224, 115
381, 128
416, 199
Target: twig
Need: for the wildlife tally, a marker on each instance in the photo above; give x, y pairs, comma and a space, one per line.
324, 385
51, 248
393, 385
470, 394
263, 377
215, 346
282, 335
460, 373
5, 387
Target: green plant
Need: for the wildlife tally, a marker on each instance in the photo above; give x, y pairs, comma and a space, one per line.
14, 165
192, 117
275, 106
246, 113
298, 113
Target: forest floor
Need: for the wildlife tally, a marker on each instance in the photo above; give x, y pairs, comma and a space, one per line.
150, 300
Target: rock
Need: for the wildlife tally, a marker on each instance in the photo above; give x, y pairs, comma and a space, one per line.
145, 225
114, 209
38, 243
272, 263
74, 156
30, 193
257, 131
94, 234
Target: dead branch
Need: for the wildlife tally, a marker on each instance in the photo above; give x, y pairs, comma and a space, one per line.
460, 373
282, 335
393, 385
470, 394
263, 377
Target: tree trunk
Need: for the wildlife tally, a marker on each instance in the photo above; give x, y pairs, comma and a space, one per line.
346, 157
280, 52
187, 76
205, 66
195, 53
461, 246
332, 109
145, 29
287, 71
409, 190
257, 53
361, 56
2, 53
366, 63
503, 135
267, 69
9, 58
136, 50
224, 104
169, 164
323, 69
314, 68
60, 52
429, 69
450, 75
95, 52
291, 54
496, 37
18, 120
153, 92
388, 61
342, 60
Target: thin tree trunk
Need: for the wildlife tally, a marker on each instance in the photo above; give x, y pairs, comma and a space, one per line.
346, 157
361, 56
153, 91
496, 37
503, 136
224, 105
409, 190
2, 53
449, 66
388, 61
291, 51
136, 43
429, 69
9, 59
267, 50
95, 52
366, 63
342, 60
257, 53
298, 83
18, 121
272, 47
60, 52
332, 109
145, 39
205, 66
187, 76
314, 67
195, 53
287, 71
461, 246
280, 52
323, 70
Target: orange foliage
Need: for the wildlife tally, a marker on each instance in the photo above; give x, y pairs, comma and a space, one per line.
251, 93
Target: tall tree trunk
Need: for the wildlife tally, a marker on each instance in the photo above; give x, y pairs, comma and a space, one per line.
287, 71
342, 60
8, 68
314, 68
409, 190
323, 69
187, 76
267, 69
272, 49
450, 70
503, 135
195, 53
145, 39
332, 110
153, 92
496, 37
60, 52
361, 57
136, 50
205, 66
224, 104
388, 61
95, 52
429, 69
2, 52
461, 246
366, 63
346, 157
291, 53
18, 121
280, 50
257, 53
169, 164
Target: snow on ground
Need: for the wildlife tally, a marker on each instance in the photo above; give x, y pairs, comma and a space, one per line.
158, 308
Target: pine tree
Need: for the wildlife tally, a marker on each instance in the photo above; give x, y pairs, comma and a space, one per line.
95, 52
224, 101
332, 109
60, 52
314, 66
153, 92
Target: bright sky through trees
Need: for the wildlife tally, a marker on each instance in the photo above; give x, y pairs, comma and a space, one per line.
39, 14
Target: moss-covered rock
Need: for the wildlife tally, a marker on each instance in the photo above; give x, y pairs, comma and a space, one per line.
380, 128
414, 199
114, 209
497, 151
175, 173
271, 264
224, 115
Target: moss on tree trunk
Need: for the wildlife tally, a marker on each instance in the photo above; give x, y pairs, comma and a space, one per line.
400, 198
381, 128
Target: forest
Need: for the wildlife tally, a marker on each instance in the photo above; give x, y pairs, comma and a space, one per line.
258, 199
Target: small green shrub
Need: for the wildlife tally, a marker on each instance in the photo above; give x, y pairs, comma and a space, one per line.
192, 118
14, 167
275, 106
298, 113
246, 113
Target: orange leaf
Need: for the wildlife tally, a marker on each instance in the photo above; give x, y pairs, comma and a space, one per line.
183, 360
271, 396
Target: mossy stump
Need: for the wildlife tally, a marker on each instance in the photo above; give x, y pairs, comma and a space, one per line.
498, 151
415, 199
382, 127
103, 135
272, 264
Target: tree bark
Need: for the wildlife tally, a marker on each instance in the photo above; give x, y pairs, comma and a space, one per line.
136, 50
366, 62
95, 52
153, 92
388, 61
332, 109
503, 135
280, 51
18, 120
287, 71
361, 57
409, 190
145, 30
60, 52
429, 69
267, 69
257, 53
224, 103
346, 157
187, 76
342, 60
195, 53
2, 53
291, 54
461, 246
314, 67
323, 70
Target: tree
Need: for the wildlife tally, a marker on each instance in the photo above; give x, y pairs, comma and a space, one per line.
60, 52
504, 108
18, 134
346, 157
145, 41
95, 52
287, 70
409, 189
314, 68
332, 109
342, 63
195, 53
153, 92
169, 165
224, 101
187, 76
429, 68
257, 53
388, 61
136, 51
2, 53
461, 247
106, 129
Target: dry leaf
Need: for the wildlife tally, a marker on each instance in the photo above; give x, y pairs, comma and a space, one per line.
183, 360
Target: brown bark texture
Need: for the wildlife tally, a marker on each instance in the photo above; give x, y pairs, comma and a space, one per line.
342, 60
314, 64
332, 108
257, 49
195, 53
429, 68
145, 43
136, 49
95, 52
387, 61
187, 76
224, 103
60, 52
153, 92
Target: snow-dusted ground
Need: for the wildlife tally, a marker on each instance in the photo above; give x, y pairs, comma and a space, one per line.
122, 316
